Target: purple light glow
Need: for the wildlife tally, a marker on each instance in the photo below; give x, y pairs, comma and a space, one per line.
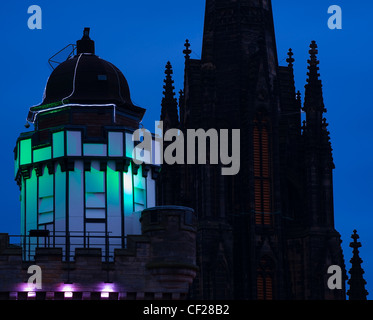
29, 288
68, 290
106, 289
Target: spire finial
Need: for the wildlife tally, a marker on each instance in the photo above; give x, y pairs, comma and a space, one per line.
169, 111
290, 60
187, 50
355, 244
168, 70
313, 61
168, 86
357, 283
313, 99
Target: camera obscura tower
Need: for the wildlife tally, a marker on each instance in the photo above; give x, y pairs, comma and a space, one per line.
78, 183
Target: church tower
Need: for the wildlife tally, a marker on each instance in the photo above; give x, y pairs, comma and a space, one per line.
267, 232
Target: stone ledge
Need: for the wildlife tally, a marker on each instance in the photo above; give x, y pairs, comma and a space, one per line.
171, 265
88, 252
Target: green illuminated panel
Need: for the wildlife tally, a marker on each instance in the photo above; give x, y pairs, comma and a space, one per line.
58, 144
95, 200
115, 144
22, 199
74, 143
127, 191
113, 192
138, 180
139, 191
46, 184
42, 154
16, 161
46, 217
76, 197
45, 204
60, 199
25, 151
31, 201
15, 167
94, 181
114, 208
95, 149
46, 198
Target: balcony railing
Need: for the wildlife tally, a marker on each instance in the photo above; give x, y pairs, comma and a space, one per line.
68, 241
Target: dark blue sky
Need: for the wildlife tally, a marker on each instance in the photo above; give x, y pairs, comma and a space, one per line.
139, 37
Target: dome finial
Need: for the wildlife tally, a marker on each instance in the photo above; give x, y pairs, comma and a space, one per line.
85, 45
86, 33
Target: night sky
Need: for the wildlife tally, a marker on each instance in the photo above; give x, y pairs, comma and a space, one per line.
139, 37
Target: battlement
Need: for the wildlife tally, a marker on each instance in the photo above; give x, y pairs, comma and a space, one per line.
158, 264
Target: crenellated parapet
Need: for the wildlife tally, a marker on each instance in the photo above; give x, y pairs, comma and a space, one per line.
158, 264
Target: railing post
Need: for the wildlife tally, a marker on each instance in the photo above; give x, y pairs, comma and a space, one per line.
67, 246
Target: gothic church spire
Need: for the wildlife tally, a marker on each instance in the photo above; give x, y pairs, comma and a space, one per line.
357, 283
169, 112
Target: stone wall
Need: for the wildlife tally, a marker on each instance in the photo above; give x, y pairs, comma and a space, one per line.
159, 264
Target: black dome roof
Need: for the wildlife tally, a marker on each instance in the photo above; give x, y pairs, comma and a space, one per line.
85, 78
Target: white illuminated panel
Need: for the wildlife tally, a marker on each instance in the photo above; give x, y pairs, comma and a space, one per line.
129, 145
74, 143
115, 144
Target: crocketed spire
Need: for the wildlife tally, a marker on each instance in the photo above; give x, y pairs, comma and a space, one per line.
169, 113
314, 95
290, 60
357, 283
187, 50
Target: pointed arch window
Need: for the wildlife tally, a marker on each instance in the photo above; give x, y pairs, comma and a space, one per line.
262, 170
265, 275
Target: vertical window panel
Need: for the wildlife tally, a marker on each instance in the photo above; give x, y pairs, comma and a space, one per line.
25, 151
115, 144
260, 287
45, 198
95, 193
58, 144
262, 172
265, 273
74, 143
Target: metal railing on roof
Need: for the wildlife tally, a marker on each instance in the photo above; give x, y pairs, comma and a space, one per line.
68, 242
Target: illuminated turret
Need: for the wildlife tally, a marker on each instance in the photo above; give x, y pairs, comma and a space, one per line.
75, 170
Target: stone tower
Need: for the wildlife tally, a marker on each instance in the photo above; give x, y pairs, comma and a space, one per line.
267, 232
